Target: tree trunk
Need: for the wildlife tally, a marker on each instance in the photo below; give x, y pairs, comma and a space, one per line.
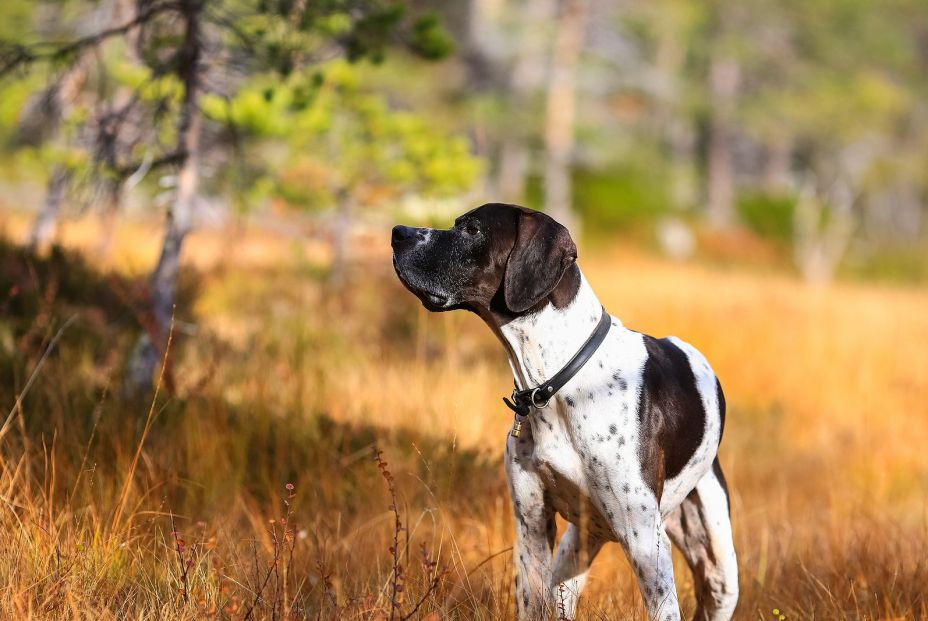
514, 160
49, 108
108, 214
777, 164
59, 102
561, 110
822, 227
180, 215
724, 77
46, 223
341, 234
526, 78
670, 124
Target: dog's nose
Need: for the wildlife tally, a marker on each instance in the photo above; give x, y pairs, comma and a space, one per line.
402, 233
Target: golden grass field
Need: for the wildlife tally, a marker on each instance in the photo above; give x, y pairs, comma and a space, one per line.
172, 508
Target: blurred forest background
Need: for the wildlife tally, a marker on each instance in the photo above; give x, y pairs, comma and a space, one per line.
202, 342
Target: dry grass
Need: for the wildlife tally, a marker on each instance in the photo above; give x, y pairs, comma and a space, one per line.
278, 380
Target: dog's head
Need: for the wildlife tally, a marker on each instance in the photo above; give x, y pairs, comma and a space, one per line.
503, 258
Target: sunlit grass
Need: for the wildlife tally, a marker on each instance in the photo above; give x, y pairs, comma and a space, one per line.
278, 379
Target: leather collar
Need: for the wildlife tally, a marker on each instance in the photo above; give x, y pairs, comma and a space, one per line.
524, 400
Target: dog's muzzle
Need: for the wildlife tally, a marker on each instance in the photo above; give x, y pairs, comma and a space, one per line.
405, 236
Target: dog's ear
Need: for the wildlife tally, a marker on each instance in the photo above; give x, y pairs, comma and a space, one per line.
542, 252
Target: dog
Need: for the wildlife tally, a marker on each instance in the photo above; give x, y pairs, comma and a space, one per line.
625, 451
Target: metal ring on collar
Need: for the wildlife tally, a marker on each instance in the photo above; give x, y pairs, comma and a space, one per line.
532, 399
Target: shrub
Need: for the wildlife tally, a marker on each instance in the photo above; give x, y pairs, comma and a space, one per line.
612, 198
767, 214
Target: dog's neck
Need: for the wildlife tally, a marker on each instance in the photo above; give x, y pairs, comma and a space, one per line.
541, 343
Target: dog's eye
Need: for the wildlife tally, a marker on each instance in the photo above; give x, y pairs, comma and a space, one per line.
471, 229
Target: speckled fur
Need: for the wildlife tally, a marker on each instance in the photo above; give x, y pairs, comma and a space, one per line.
580, 457
625, 451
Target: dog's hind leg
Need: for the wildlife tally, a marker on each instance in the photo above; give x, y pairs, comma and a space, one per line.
575, 554
701, 528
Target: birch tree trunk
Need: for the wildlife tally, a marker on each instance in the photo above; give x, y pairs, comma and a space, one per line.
514, 161
561, 110
526, 78
724, 78
180, 215
46, 223
671, 125
108, 212
52, 106
822, 228
59, 100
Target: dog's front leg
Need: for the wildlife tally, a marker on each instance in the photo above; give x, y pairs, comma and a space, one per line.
634, 515
633, 512
535, 531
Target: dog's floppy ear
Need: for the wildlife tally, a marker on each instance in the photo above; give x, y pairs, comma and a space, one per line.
542, 252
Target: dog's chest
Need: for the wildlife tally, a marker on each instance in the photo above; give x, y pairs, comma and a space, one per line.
585, 441
558, 461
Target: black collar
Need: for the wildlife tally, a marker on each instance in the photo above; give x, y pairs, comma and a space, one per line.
524, 400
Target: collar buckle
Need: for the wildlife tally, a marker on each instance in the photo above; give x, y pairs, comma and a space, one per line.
522, 401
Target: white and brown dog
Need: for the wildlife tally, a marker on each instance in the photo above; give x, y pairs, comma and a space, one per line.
625, 451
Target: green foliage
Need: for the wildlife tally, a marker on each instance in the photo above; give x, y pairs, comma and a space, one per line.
768, 215
429, 39
276, 45
259, 109
372, 32
344, 142
620, 196
15, 94
282, 32
836, 85
839, 83
15, 20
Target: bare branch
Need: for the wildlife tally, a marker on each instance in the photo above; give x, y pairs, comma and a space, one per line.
16, 56
174, 157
